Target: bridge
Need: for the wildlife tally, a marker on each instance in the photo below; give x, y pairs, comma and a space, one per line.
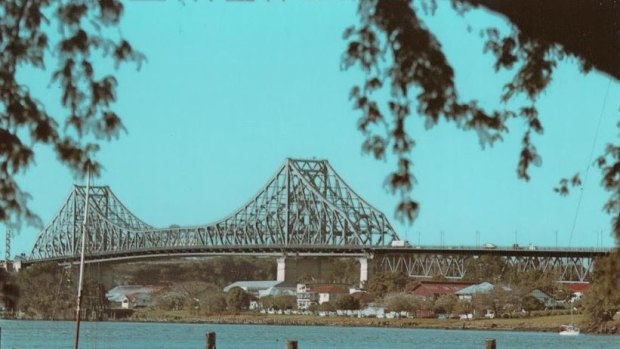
305, 209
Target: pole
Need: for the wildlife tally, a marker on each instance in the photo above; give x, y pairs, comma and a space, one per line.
81, 279
291, 345
210, 337
490, 344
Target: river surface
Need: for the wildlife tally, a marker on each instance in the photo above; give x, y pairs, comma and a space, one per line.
131, 335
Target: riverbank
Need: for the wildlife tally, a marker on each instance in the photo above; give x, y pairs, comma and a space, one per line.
549, 323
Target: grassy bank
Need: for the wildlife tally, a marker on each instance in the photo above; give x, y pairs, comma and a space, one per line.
542, 323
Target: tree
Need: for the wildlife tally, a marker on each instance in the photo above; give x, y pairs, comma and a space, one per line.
28, 42
237, 299
602, 300
327, 306
347, 302
9, 292
496, 300
381, 283
214, 303
402, 302
445, 304
46, 292
391, 44
395, 50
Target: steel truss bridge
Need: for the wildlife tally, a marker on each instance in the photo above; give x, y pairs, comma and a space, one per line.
452, 262
305, 209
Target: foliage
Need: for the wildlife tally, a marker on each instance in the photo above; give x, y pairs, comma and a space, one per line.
189, 295
237, 299
462, 307
347, 302
85, 34
602, 300
381, 283
46, 291
402, 302
214, 303
9, 292
445, 304
168, 300
496, 300
280, 302
401, 56
326, 306
530, 303
219, 271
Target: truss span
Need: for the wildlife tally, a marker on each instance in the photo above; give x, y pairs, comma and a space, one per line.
306, 203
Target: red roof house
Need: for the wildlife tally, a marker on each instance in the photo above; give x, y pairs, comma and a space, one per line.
435, 289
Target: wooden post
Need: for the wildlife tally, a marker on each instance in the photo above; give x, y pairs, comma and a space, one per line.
210, 337
490, 344
291, 345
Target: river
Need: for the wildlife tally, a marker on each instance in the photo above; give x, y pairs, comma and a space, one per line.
132, 335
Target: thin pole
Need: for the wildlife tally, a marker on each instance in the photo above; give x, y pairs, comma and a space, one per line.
81, 279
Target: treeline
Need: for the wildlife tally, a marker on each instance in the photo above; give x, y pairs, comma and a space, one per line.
219, 271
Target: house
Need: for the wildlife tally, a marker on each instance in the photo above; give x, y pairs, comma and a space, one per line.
132, 296
308, 294
577, 290
468, 292
435, 289
254, 287
544, 298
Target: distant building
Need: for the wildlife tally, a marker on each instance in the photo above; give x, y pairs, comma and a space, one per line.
578, 289
132, 296
308, 294
485, 287
255, 288
435, 289
544, 298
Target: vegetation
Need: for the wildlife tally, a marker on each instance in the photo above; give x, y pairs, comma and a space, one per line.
281, 302
48, 291
87, 32
383, 282
403, 59
400, 302
237, 299
219, 271
602, 301
347, 302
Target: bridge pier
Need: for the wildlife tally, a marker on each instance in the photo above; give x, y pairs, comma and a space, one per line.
365, 269
281, 271
294, 268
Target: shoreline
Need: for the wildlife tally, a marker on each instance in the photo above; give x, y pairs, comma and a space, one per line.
529, 324
550, 323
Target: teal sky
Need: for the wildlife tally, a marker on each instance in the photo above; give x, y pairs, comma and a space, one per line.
232, 89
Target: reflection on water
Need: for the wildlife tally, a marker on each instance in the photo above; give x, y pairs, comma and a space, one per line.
128, 335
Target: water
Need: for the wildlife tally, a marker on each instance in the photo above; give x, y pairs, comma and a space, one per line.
127, 335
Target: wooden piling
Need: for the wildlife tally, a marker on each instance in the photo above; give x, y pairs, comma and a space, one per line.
490, 344
291, 345
210, 338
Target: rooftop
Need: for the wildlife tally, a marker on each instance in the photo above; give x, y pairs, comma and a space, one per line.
253, 285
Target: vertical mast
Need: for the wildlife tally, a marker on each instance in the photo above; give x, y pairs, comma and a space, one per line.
79, 293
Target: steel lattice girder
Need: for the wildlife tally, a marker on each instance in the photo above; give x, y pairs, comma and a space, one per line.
454, 266
305, 203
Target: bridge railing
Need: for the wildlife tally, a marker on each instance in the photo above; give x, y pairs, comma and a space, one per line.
501, 248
